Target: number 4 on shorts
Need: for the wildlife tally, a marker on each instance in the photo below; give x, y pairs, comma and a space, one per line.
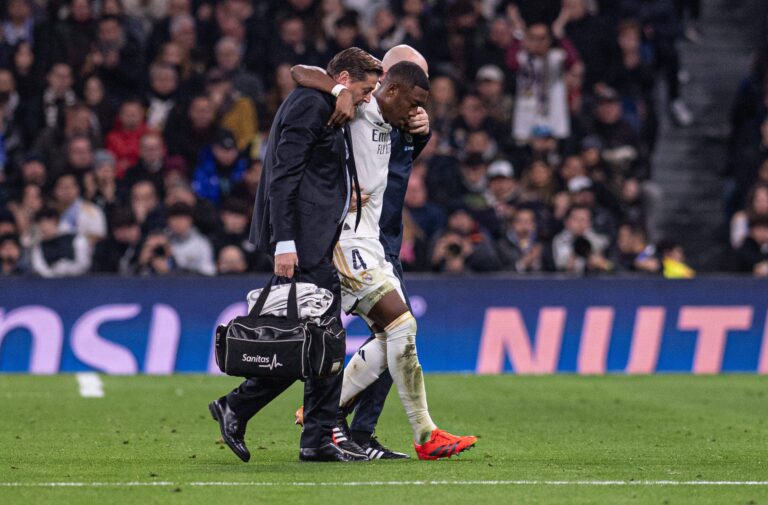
357, 260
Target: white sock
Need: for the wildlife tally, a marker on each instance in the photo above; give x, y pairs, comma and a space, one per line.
364, 368
406, 372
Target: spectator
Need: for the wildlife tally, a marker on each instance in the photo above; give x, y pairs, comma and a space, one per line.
248, 186
442, 109
673, 260
752, 255
103, 110
101, 185
235, 112
145, 206
292, 44
494, 51
633, 253
24, 211
284, 84
473, 116
633, 78
464, 247
119, 253
221, 166
71, 147
583, 191
474, 177
192, 252
541, 92
116, 59
231, 261
162, 95
578, 248
58, 254
73, 38
151, 165
156, 257
10, 256
58, 95
19, 24
205, 216
132, 27
757, 205
490, 88
79, 155
425, 215
503, 189
539, 185
591, 37
123, 140
519, 247
229, 54
77, 216
345, 34
190, 129
621, 145
663, 29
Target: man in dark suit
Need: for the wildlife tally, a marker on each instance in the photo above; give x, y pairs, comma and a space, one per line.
302, 199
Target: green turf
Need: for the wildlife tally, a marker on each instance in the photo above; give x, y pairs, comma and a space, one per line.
565, 428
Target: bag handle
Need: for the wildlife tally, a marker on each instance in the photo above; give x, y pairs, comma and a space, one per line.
293, 304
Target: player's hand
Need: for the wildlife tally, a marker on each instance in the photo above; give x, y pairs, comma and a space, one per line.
285, 264
345, 109
418, 123
363, 200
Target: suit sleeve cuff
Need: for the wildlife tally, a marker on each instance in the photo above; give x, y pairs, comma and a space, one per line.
285, 246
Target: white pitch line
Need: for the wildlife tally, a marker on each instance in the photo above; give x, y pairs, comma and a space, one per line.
90, 385
397, 483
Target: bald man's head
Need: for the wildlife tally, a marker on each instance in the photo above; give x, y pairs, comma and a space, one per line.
403, 53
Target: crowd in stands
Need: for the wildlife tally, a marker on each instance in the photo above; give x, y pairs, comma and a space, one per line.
132, 131
746, 189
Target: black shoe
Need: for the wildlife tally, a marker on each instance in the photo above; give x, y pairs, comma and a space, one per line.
328, 453
375, 450
343, 440
232, 428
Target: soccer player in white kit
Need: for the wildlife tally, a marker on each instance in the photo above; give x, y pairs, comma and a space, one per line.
369, 285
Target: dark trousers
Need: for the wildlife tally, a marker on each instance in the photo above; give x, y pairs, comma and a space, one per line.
321, 396
370, 402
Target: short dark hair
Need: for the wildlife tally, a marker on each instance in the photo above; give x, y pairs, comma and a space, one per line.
408, 74
122, 218
355, 61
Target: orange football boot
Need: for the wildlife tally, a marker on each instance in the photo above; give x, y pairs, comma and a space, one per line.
443, 445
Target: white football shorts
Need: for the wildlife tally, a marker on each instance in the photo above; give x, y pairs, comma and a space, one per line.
365, 274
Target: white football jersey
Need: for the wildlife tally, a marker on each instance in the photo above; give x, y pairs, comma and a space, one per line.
371, 147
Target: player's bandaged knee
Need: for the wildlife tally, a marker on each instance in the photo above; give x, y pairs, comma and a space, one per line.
401, 328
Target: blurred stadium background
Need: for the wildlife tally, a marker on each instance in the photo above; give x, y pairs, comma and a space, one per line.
586, 155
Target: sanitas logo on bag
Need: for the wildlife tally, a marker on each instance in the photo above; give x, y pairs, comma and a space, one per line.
264, 361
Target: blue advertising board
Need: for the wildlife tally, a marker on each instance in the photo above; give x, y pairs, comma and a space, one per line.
468, 324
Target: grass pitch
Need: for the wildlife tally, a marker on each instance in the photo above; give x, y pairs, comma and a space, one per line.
557, 439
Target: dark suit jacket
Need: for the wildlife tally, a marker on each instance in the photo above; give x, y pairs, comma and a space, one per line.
303, 189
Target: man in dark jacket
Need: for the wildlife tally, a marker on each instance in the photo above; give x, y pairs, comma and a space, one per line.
302, 199
752, 256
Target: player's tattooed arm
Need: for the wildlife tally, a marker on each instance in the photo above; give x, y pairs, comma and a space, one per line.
317, 78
